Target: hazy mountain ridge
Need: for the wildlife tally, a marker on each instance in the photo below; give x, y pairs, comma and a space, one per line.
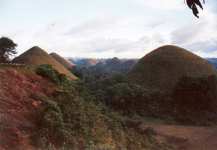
104, 68
213, 61
76, 61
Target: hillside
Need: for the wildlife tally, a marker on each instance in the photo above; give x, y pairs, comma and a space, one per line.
44, 110
37, 56
67, 64
163, 67
38, 114
18, 107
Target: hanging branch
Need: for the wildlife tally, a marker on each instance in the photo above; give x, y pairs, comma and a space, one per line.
193, 4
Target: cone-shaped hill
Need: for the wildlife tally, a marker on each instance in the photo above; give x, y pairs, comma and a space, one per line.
62, 61
163, 67
37, 56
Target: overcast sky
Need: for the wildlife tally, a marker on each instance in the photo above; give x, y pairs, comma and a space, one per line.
108, 28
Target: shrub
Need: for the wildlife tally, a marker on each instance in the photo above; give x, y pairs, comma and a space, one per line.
48, 71
67, 118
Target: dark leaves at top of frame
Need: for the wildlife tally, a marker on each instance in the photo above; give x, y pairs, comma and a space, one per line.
193, 5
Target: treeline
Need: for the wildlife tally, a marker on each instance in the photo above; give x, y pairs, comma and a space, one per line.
192, 101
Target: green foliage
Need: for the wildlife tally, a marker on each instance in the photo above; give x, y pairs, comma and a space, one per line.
106, 68
193, 101
69, 116
130, 99
48, 71
101, 85
50, 123
75, 116
73, 119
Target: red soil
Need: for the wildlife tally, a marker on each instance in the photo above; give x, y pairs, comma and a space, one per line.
17, 107
186, 137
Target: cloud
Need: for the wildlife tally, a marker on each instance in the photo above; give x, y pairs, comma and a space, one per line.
199, 36
132, 29
93, 26
208, 46
161, 4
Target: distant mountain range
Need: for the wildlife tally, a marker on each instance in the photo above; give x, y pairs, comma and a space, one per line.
213, 61
101, 68
87, 62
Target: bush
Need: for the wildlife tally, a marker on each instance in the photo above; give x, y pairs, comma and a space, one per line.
49, 72
68, 117
133, 99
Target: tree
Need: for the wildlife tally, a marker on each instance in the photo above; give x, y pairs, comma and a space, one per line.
7, 48
193, 4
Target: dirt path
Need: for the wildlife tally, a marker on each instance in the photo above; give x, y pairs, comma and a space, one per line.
186, 137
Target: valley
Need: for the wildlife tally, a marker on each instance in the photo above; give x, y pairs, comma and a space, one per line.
113, 104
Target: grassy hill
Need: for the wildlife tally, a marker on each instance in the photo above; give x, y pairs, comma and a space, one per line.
163, 67
67, 64
37, 56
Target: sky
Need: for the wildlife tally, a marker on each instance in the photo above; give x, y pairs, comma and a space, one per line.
108, 28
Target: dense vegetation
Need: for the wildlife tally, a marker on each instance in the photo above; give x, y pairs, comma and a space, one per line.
75, 118
88, 114
103, 69
48, 72
191, 97
193, 100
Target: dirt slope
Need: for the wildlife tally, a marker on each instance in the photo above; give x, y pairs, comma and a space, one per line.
187, 137
37, 56
62, 61
18, 107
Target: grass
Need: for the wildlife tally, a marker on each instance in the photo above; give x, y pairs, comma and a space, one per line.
163, 67
37, 56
